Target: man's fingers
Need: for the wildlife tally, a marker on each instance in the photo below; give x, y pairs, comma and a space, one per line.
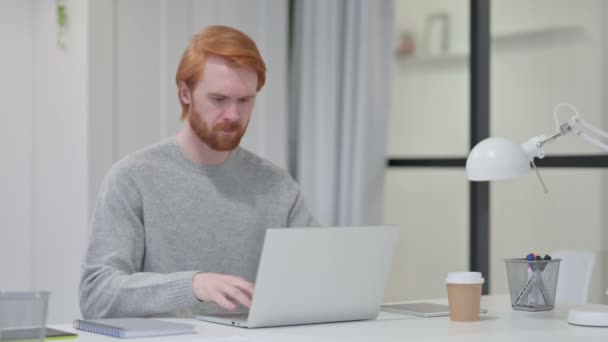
224, 290
221, 300
238, 295
243, 285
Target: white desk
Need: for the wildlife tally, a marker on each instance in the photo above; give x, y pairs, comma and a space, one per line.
501, 323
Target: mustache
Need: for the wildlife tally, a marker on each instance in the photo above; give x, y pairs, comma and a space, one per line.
227, 126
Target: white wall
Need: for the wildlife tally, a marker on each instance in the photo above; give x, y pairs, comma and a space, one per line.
44, 120
16, 84
59, 150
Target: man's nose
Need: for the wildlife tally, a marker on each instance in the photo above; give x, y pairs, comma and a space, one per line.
231, 113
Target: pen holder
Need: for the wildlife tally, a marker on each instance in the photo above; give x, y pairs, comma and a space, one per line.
532, 283
23, 316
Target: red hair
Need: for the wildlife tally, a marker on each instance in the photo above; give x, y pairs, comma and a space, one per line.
222, 41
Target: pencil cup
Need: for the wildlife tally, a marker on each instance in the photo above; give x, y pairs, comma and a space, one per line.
464, 295
23, 315
532, 283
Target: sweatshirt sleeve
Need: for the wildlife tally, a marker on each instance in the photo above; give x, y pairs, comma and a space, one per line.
299, 215
112, 283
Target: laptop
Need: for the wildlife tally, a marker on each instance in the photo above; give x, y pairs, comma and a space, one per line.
318, 275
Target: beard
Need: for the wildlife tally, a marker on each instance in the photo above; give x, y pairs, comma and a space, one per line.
223, 136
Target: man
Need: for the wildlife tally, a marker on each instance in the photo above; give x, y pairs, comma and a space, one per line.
179, 226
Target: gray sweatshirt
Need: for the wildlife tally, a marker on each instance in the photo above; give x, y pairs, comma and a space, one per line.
160, 218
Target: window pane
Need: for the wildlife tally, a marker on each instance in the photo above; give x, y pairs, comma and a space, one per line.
571, 216
431, 207
545, 52
430, 85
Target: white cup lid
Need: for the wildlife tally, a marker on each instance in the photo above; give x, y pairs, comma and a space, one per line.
464, 278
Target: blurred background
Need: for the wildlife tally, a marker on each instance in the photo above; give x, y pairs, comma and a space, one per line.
367, 104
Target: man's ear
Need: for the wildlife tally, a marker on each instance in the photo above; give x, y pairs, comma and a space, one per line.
184, 93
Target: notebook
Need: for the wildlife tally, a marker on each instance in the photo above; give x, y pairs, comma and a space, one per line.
318, 275
133, 327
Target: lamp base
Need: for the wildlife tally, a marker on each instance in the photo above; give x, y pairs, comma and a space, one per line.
590, 315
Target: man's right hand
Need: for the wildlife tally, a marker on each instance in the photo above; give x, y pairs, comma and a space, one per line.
224, 290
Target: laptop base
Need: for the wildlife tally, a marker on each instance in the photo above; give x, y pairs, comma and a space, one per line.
237, 319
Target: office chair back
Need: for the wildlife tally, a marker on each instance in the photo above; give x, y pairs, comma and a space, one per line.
575, 271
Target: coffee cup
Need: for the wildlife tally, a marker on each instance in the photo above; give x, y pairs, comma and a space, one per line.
464, 295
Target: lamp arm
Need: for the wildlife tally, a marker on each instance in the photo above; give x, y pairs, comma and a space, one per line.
595, 130
590, 127
534, 146
594, 141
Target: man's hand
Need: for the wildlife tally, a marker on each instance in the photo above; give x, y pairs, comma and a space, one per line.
224, 290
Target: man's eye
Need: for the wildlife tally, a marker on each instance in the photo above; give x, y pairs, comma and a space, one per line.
244, 100
219, 99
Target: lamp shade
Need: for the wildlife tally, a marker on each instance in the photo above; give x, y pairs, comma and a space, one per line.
496, 158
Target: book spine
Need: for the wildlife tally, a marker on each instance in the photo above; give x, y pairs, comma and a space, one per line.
96, 328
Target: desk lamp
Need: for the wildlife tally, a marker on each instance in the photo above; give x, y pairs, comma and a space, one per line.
499, 158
